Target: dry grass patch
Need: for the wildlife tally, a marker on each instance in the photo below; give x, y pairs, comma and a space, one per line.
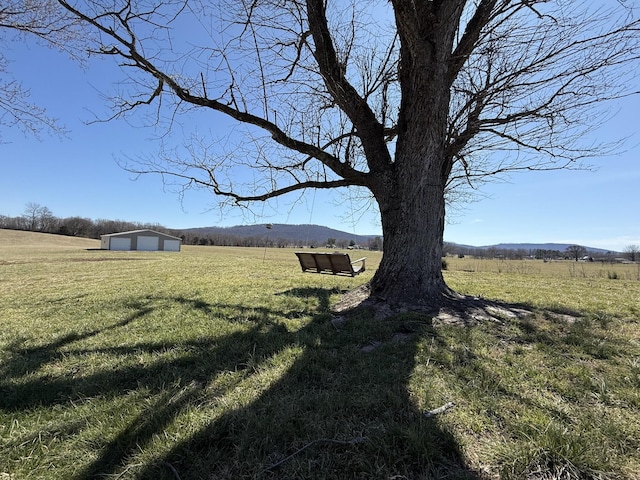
225, 363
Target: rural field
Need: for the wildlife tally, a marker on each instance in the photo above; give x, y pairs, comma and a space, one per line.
227, 363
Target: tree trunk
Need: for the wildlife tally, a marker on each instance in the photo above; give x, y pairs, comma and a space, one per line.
411, 195
410, 273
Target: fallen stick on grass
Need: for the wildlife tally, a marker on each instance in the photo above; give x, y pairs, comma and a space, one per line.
439, 410
353, 441
173, 469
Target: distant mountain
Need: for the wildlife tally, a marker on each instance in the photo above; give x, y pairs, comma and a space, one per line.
308, 234
561, 247
305, 234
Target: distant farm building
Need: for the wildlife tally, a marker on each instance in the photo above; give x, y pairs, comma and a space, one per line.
143, 240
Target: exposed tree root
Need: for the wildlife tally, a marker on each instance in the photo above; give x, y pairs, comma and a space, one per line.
449, 308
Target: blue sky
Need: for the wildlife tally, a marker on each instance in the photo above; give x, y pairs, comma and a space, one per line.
79, 175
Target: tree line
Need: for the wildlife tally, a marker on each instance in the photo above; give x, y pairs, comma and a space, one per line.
572, 252
39, 218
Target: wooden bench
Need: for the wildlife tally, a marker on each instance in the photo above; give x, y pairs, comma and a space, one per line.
335, 263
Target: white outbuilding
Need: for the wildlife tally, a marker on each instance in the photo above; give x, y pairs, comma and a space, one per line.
144, 240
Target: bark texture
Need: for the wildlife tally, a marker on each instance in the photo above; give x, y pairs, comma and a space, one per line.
410, 271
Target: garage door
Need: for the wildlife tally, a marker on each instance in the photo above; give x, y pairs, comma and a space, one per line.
120, 244
172, 245
148, 243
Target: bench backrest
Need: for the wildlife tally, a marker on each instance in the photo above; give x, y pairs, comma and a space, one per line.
340, 262
324, 263
307, 262
327, 262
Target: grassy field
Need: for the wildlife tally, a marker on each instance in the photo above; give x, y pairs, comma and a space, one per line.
225, 363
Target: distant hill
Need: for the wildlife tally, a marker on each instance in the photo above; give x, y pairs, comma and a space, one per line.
301, 234
304, 234
307, 234
20, 239
561, 247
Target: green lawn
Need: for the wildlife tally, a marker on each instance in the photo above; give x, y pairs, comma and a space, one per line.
217, 363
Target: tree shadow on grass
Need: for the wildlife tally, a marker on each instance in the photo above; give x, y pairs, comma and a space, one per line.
284, 403
337, 411
23, 360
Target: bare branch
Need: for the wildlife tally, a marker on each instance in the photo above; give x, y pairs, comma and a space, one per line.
333, 74
51, 26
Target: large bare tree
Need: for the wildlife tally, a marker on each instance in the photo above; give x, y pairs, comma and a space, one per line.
408, 100
632, 252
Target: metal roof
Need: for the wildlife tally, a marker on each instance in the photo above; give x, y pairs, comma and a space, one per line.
124, 234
